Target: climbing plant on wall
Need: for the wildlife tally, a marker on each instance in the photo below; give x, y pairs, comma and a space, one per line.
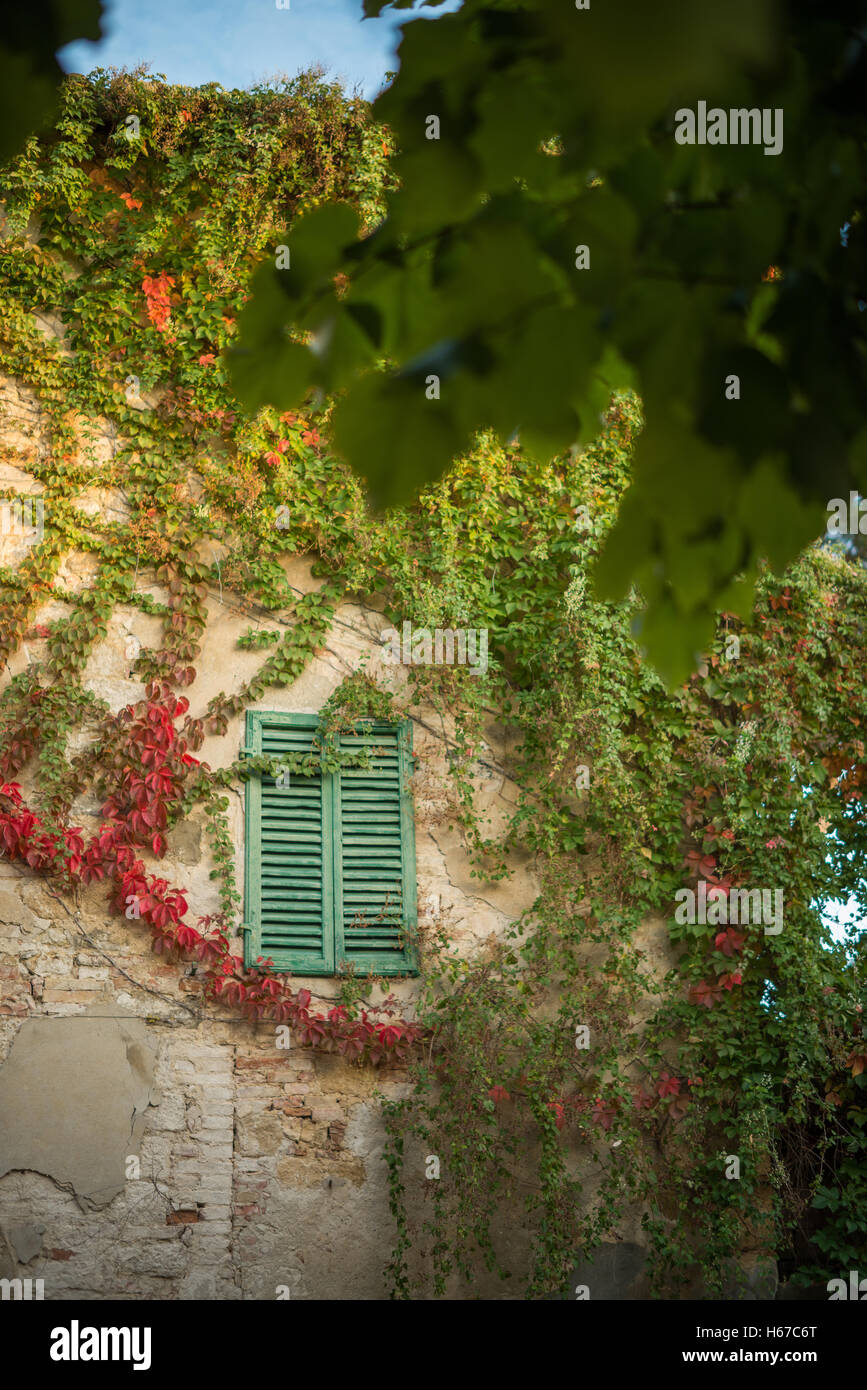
145, 270
749, 776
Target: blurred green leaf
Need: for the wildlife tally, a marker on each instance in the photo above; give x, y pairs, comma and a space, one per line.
29, 72
526, 130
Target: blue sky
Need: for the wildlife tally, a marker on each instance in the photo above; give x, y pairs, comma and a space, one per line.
239, 42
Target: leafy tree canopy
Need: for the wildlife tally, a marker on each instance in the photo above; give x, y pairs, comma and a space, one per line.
527, 129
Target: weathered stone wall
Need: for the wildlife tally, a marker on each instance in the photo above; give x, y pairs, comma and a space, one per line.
146, 1152
151, 1145
259, 1167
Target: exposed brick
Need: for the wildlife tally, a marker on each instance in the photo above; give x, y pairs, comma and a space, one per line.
68, 996
327, 1114
336, 1134
249, 1193
53, 982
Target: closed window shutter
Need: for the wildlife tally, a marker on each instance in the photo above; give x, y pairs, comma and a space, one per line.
374, 881
289, 872
330, 860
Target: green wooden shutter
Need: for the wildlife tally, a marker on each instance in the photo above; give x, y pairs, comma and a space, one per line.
374, 864
288, 881
330, 861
